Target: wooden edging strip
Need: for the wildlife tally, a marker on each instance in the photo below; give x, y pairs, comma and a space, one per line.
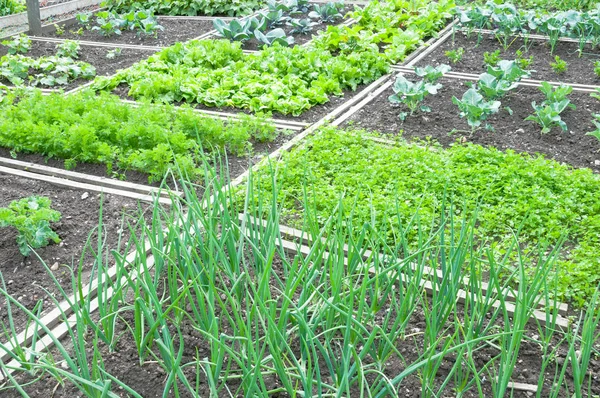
99, 44
83, 186
86, 178
585, 88
298, 235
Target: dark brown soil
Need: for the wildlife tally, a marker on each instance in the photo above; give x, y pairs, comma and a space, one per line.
26, 277
511, 132
175, 30
580, 70
96, 56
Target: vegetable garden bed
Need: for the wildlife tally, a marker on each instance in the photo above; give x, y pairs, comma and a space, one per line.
95, 56
175, 30
573, 147
579, 70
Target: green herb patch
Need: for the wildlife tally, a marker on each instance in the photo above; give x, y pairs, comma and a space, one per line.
217, 73
43, 71
386, 184
101, 129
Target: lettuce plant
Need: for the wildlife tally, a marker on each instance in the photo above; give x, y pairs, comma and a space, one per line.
31, 217
19, 44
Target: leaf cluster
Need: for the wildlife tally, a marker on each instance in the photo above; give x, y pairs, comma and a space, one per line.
547, 115
19, 44
101, 129
31, 217
44, 71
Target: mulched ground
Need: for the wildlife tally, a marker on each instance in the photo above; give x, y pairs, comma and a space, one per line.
26, 276
511, 132
96, 56
579, 69
175, 30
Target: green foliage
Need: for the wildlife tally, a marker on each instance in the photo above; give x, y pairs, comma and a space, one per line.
455, 55
9, 7
44, 71
559, 65
412, 94
596, 133
580, 23
274, 36
475, 107
238, 30
597, 68
500, 79
112, 54
301, 26
432, 74
93, 128
31, 217
59, 30
19, 44
547, 115
396, 27
524, 63
217, 73
491, 58
186, 7
328, 12
383, 185
110, 23
68, 48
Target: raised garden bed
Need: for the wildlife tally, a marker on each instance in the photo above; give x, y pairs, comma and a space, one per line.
175, 30
510, 131
580, 70
95, 56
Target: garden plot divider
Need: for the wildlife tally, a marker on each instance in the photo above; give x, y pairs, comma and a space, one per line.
97, 44
150, 197
86, 178
584, 88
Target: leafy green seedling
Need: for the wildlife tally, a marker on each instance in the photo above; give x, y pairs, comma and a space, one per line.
491, 58
239, 31
68, 48
19, 44
548, 115
274, 36
301, 26
475, 108
84, 19
597, 68
112, 54
524, 63
274, 18
559, 65
327, 13
31, 217
455, 55
596, 133
412, 94
432, 74
59, 30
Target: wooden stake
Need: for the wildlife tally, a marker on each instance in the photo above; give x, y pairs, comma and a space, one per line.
33, 16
